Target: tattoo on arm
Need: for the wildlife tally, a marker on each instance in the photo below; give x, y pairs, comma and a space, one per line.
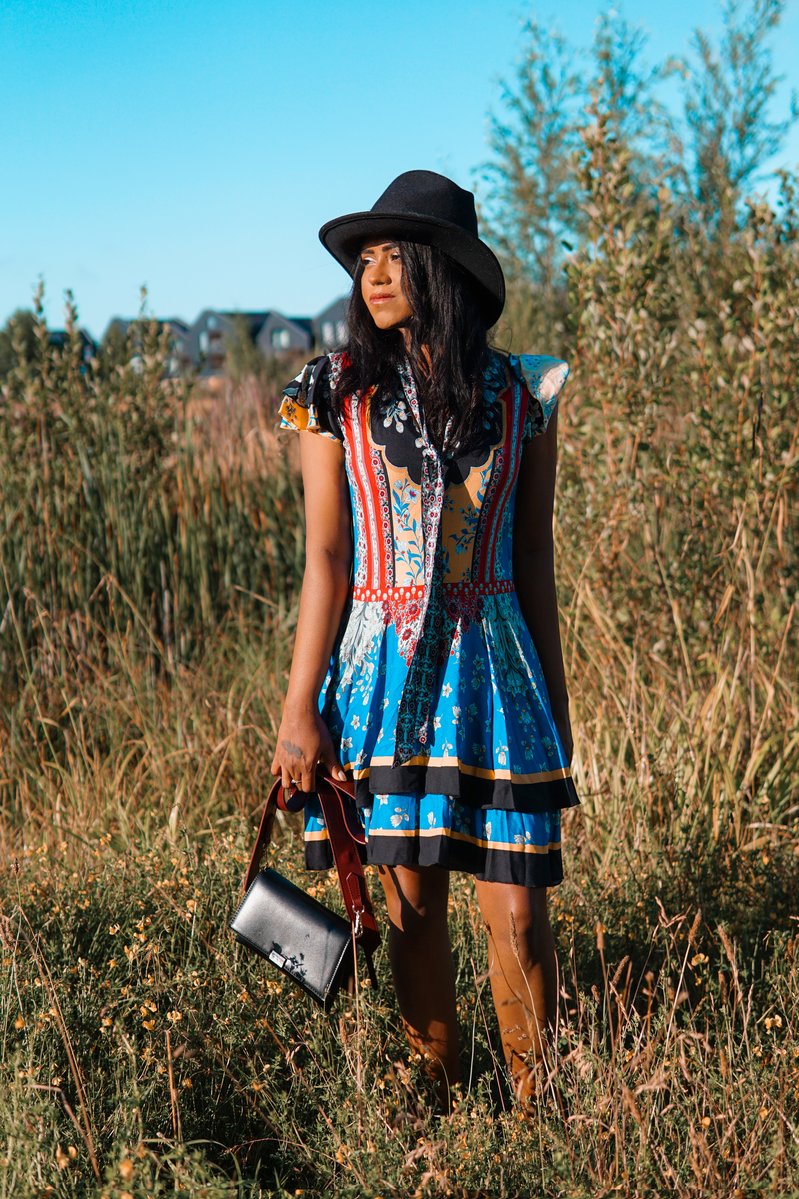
291, 748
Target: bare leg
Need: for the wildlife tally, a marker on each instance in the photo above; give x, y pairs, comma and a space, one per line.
523, 970
422, 966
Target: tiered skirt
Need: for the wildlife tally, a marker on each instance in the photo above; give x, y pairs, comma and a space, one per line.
440, 830
484, 794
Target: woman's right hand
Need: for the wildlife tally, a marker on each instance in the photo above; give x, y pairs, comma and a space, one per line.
303, 741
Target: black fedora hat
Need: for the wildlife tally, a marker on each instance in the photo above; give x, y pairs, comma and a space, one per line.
429, 208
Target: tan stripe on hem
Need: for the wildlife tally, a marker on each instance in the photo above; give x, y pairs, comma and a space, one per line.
507, 846
543, 776
510, 847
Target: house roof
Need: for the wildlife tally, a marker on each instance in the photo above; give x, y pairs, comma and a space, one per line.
337, 311
304, 322
123, 323
255, 320
58, 337
118, 322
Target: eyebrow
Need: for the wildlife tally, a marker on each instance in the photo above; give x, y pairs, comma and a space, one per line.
389, 245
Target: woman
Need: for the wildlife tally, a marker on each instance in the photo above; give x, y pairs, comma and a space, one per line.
427, 663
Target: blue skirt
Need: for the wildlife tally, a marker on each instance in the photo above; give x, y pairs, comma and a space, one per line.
440, 830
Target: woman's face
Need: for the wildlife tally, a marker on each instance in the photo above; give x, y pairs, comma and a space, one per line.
381, 285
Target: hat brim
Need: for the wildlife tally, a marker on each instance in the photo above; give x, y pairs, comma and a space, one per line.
345, 236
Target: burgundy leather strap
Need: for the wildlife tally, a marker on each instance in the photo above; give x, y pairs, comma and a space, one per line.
336, 803
338, 808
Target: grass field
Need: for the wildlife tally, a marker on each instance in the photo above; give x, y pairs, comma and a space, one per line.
151, 552
144, 1054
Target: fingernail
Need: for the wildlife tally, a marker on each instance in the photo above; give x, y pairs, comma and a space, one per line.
340, 774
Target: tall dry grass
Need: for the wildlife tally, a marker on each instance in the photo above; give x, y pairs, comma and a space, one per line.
151, 545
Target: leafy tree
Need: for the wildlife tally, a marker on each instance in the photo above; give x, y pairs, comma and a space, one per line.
728, 101
535, 206
622, 88
114, 344
17, 340
530, 203
242, 356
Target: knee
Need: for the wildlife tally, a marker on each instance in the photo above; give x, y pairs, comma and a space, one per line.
516, 933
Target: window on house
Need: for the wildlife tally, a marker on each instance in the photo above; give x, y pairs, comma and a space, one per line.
328, 333
341, 332
281, 339
204, 341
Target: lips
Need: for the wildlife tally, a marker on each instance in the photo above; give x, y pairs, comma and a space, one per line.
380, 297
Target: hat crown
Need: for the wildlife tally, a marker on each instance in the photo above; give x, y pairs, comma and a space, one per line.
426, 194
428, 208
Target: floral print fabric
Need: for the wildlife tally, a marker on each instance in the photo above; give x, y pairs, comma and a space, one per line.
434, 689
439, 830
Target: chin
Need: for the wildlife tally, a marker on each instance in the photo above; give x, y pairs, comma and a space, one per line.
389, 324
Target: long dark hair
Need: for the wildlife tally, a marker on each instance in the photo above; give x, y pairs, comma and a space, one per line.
447, 319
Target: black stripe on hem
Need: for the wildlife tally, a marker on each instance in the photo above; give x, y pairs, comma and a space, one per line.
486, 864
474, 792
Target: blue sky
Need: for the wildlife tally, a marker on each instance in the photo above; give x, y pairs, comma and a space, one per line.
197, 147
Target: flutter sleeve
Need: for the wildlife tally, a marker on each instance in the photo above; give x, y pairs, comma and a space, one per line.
544, 377
306, 403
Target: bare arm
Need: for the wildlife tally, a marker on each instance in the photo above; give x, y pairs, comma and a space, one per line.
534, 566
303, 739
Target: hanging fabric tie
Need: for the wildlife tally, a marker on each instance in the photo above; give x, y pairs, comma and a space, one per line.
413, 730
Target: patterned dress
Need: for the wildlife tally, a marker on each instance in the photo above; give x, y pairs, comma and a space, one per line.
434, 694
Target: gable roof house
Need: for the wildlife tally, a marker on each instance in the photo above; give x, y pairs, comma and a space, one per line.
88, 346
179, 359
204, 346
284, 334
213, 333
330, 326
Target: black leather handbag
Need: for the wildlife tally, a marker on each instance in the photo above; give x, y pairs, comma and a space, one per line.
312, 945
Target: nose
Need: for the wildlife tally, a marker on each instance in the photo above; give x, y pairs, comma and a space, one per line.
378, 272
